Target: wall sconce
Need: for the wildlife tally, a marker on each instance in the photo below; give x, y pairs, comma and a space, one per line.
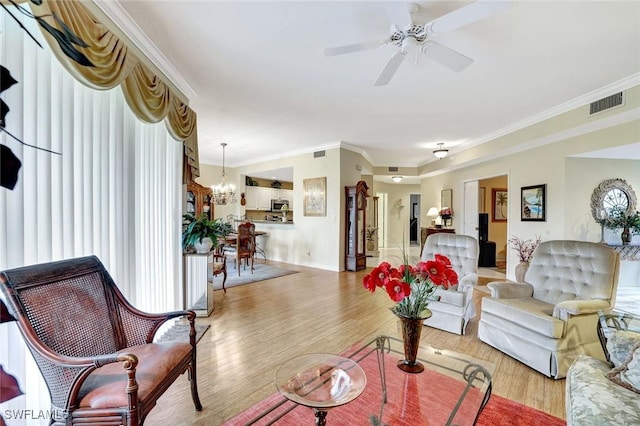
441, 151
396, 179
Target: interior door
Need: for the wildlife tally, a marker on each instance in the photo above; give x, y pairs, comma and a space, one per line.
470, 225
413, 223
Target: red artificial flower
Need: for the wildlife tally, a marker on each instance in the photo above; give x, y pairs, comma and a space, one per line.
397, 290
452, 277
436, 270
443, 259
368, 283
380, 276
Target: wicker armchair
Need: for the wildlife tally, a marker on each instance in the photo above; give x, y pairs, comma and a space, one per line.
94, 349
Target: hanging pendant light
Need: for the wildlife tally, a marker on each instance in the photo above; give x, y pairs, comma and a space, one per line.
441, 151
224, 193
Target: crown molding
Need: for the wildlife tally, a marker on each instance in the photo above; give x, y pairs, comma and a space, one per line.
580, 101
116, 13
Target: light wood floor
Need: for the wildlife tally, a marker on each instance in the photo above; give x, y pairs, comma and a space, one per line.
257, 327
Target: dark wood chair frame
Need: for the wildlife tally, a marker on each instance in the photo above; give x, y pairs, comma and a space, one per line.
220, 257
65, 374
245, 244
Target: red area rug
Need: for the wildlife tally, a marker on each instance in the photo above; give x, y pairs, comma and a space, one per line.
438, 392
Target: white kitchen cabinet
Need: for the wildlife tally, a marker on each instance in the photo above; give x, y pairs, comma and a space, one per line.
258, 198
264, 199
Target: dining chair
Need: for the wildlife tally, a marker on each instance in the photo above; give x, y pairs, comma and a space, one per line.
245, 244
220, 266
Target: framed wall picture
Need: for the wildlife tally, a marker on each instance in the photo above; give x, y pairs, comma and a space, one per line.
315, 196
499, 205
533, 203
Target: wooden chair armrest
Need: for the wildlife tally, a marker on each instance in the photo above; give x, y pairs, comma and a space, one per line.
153, 321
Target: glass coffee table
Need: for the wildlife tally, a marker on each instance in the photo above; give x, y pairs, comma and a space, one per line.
321, 382
453, 389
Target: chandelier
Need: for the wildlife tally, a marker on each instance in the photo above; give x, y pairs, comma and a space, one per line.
441, 151
224, 193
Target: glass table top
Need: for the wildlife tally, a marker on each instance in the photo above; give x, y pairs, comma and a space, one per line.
320, 380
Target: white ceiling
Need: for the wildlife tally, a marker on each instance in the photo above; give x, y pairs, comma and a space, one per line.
258, 80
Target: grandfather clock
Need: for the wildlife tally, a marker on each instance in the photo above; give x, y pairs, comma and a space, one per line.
356, 204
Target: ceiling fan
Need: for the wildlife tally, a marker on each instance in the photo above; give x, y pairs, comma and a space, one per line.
407, 35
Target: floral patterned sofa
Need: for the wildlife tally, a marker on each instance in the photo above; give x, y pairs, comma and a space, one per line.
607, 393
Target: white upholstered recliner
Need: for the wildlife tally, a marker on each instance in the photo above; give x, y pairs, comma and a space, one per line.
551, 318
455, 308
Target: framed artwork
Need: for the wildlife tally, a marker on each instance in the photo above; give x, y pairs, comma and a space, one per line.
499, 205
481, 197
533, 205
315, 196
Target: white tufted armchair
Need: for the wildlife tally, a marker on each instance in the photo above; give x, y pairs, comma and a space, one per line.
455, 308
550, 319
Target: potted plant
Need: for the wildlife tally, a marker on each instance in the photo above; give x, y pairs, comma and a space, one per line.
222, 228
630, 224
525, 249
199, 233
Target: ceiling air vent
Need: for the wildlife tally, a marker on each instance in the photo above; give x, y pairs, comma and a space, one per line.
319, 154
606, 103
393, 169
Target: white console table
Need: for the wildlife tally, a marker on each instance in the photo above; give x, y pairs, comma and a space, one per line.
198, 292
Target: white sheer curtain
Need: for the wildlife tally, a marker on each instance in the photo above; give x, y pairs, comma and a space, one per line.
116, 192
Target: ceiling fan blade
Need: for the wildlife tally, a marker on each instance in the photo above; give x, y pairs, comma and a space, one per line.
398, 14
357, 47
449, 58
390, 69
473, 12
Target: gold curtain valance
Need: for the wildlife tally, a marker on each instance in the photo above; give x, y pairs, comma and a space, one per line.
148, 95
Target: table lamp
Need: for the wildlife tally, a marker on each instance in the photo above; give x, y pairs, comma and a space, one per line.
433, 213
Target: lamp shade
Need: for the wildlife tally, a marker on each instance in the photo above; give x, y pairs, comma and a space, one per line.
396, 179
433, 211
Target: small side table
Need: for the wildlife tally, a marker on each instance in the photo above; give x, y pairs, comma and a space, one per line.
198, 292
320, 381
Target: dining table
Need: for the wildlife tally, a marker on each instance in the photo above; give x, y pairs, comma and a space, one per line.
231, 238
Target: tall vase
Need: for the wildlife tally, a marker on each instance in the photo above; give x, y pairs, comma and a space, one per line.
626, 236
411, 331
521, 271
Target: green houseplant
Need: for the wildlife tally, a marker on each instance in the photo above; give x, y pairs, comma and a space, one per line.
619, 219
195, 231
222, 228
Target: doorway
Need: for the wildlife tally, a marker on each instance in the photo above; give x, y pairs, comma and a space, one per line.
414, 219
382, 218
492, 202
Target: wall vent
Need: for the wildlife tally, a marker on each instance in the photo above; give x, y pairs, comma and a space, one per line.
393, 169
606, 103
319, 154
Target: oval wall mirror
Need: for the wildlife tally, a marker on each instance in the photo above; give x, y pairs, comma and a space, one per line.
612, 194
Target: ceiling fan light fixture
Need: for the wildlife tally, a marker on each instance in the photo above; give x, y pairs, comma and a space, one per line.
441, 151
396, 179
